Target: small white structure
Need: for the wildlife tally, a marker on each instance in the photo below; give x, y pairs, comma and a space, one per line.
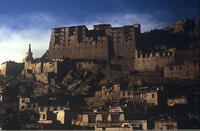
139, 124
26, 104
115, 109
99, 119
146, 96
177, 101
165, 125
123, 127
48, 114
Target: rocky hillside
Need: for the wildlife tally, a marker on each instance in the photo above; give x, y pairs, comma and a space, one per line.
183, 34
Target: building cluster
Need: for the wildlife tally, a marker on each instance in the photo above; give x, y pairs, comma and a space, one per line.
118, 105
107, 94
103, 48
143, 95
107, 109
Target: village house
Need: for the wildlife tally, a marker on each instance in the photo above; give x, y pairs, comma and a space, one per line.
177, 101
124, 126
146, 96
165, 124
99, 119
139, 124
113, 119
26, 103
114, 93
50, 114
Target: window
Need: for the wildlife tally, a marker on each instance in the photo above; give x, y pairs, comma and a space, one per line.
41, 109
51, 108
126, 125
123, 93
43, 116
153, 96
23, 101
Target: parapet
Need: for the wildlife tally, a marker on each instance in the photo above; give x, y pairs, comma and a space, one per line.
102, 26
155, 53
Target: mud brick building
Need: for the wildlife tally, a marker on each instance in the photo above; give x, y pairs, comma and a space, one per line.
110, 44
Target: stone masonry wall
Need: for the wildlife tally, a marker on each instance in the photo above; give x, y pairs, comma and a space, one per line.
153, 61
188, 70
11, 68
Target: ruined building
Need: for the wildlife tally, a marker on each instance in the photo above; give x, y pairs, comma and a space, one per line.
45, 71
11, 68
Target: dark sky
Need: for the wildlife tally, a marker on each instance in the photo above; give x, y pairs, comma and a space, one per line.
86, 11
30, 21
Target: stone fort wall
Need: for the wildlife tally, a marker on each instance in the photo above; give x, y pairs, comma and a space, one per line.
154, 60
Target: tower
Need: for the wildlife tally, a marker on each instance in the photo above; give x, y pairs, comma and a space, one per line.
29, 54
137, 29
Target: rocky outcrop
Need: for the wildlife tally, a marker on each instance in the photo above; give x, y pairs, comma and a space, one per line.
182, 34
189, 26
80, 80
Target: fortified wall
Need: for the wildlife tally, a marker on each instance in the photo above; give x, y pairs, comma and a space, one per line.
153, 60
